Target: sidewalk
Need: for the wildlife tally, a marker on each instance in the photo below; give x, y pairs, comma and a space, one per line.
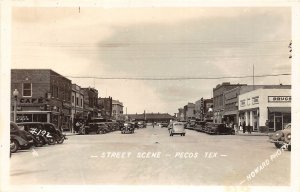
252, 134
68, 133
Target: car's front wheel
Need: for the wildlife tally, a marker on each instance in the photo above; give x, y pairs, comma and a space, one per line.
14, 145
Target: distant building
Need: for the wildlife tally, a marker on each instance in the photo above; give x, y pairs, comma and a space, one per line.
44, 96
90, 102
189, 111
76, 102
180, 115
219, 100
117, 110
151, 117
202, 107
105, 105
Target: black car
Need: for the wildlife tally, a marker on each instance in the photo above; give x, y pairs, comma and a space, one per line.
218, 129
128, 127
19, 138
200, 125
98, 125
48, 132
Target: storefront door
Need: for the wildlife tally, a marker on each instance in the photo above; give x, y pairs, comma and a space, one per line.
278, 123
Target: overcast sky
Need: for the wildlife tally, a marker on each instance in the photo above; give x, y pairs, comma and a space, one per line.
154, 42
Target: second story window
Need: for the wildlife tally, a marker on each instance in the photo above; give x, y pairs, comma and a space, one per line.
27, 89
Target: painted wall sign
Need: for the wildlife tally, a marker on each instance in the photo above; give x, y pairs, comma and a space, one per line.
279, 99
32, 100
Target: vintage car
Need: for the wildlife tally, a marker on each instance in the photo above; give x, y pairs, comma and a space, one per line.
19, 138
128, 127
142, 124
282, 137
47, 132
176, 128
191, 124
97, 125
164, 124
218, 129
200, 125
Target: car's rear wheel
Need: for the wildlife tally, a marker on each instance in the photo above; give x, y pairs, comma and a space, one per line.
184, 134
14, 145
277, 145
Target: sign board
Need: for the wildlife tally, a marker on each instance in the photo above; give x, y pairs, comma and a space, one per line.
279, 99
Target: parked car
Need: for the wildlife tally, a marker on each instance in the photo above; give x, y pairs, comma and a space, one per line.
128, 127
19, 138
191, 124
97, 125
200, 125
282, 137
48, 132
218, 129
176, 128
142, 124
164, 124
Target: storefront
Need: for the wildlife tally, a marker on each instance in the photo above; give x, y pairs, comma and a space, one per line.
265, 109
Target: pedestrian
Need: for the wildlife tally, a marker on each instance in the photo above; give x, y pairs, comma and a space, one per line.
244, 126
153, 124
249, 128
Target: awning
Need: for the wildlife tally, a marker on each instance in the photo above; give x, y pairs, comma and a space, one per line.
280, 109
227, 113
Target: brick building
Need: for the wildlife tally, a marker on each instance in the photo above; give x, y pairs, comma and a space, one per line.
189, 111
117, 110
77, 102
90, 102
219, 100
105, 106
44, 96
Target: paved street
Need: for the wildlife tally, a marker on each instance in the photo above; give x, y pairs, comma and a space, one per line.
196, 159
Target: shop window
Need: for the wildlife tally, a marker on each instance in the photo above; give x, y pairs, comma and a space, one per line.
27, 89
286, 119
271, 121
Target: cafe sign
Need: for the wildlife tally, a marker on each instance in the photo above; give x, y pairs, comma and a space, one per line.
279, 99
32, 100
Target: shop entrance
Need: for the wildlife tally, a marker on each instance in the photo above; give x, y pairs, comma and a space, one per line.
278, 123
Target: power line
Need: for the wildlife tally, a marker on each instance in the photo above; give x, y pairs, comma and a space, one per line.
178, 78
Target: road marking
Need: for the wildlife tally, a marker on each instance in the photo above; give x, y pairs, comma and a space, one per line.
242, 182
94, 156
223, 155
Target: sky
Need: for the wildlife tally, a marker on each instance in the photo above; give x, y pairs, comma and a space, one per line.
154, 43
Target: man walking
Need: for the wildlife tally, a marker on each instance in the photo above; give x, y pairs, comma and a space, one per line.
244, 126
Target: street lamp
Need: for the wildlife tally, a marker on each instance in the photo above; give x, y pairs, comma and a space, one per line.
15, 94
